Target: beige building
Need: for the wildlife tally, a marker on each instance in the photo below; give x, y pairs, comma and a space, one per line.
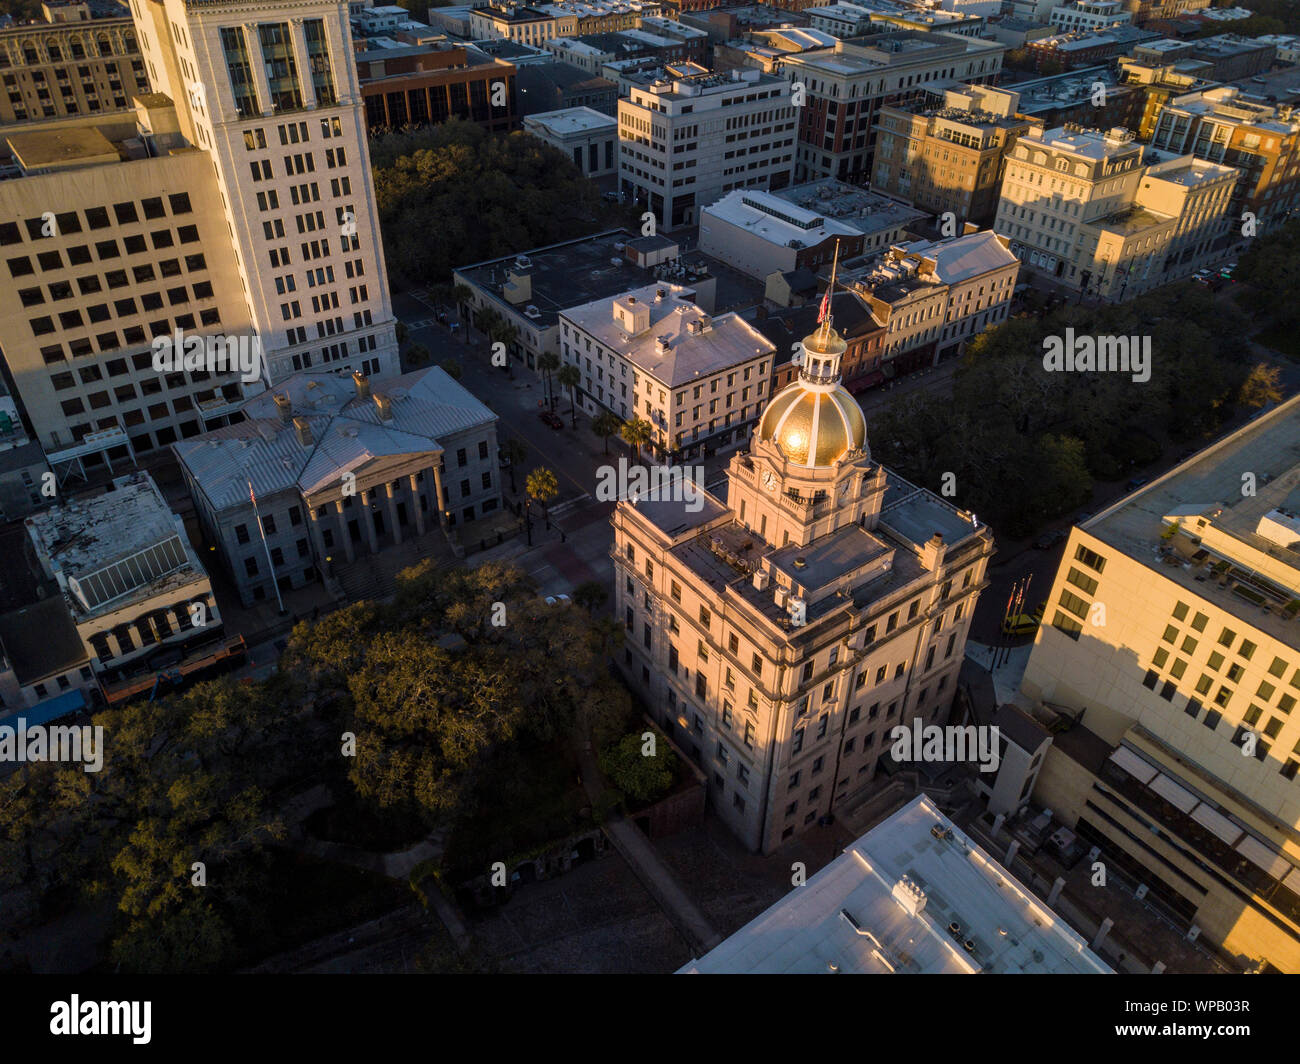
934, 295
272, 98
780, 637
114, 236
687, 138
69, 67
949, 158
1098, 212
1261, 140
1173, 628
651, 353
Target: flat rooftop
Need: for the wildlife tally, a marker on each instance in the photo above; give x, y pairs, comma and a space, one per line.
849, 918
859, 208
85, 534
59, 147
1209, 485
567, 275
572, 120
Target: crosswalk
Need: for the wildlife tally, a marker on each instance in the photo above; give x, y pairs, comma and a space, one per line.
423, 323
570, 504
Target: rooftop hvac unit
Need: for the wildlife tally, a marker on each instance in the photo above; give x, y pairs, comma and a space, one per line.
782, 596
532, 312
761, 579
910, 896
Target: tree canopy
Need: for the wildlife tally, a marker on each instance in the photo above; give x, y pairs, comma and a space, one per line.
1024, 444
454, 194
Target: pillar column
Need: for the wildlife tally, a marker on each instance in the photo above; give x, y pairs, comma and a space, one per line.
1055, 891
368, 497
392, 512
317, 539
343, 531
1012, 850
437, 496
416, 495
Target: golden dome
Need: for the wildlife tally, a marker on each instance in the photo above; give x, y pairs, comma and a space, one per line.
814, 428
814, 420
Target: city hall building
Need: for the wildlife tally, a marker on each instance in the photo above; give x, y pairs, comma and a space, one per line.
781, 636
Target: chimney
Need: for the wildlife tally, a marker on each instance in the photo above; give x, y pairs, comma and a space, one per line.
284, 407
363, 384
384, 407
932, 553
302, 427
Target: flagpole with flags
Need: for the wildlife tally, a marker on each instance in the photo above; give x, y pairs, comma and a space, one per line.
257, 516
824, 311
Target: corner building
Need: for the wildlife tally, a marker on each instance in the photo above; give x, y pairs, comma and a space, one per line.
781, 636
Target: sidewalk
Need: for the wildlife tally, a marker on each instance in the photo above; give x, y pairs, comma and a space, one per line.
647, 865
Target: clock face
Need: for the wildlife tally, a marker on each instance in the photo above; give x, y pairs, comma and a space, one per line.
769, 480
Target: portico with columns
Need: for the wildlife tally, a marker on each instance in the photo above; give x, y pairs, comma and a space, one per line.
340, 470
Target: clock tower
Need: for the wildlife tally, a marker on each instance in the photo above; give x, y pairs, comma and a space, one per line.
808, 471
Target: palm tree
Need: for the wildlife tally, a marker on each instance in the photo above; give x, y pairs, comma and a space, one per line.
570, 377
542, 487
513, 452
636, 434
548, 362
604, 425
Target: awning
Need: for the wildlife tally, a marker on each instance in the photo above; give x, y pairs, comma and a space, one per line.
1175, 795
1269, 860
63, 705
1133, 765
1217, 823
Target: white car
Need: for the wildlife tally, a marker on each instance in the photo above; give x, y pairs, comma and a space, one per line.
554, 600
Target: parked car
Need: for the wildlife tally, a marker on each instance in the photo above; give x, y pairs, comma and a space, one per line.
1201, 277
1082, 516
1136, 483
1049, 539
551, 419
557, 600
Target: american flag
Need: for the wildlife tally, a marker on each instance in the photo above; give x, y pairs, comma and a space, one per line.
825, 309
252, 498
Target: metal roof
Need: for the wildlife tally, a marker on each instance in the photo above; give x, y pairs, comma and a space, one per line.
347, 432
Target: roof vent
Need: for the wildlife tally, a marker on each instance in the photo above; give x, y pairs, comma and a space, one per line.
801, 562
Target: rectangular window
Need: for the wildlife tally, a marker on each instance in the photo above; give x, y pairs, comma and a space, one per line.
240, 71
281, 67
318, 60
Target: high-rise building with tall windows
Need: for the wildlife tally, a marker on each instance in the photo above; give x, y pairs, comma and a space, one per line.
234, 203
273, 96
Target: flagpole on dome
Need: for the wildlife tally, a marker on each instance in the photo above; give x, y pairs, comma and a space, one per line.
824, 311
